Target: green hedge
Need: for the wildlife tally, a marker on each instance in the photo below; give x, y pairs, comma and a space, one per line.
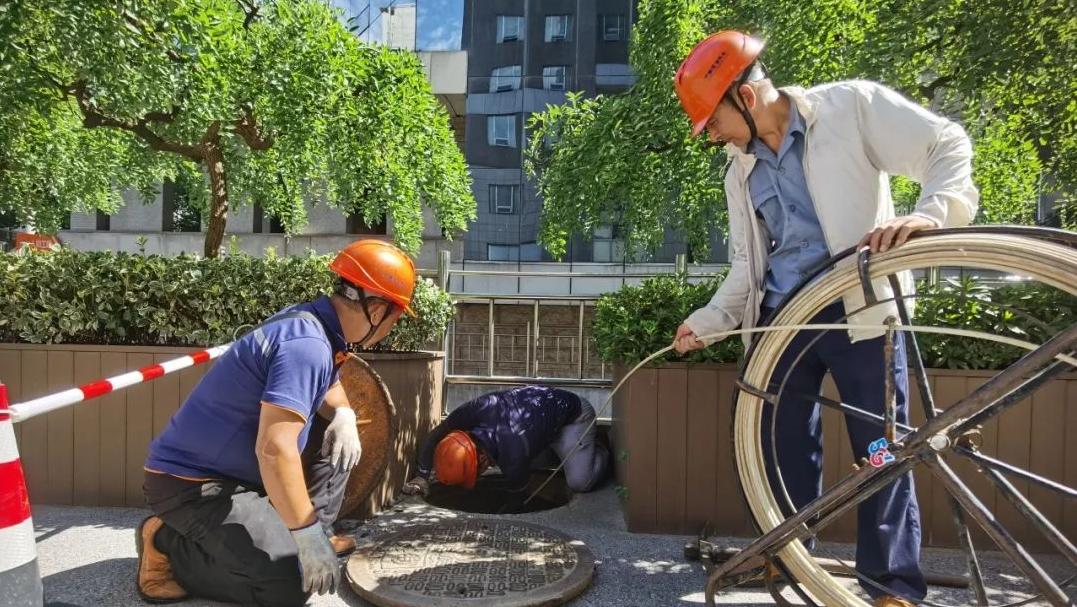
635, 321
66, 296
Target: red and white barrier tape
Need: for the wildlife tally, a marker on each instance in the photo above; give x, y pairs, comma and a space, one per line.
23, 411
16, 526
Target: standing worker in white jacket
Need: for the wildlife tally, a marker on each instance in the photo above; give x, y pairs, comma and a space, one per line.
809, 177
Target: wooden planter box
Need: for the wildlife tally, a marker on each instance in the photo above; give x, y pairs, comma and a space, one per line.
674, 453
91, 454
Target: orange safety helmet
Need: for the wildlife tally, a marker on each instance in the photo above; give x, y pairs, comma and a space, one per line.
456, 460
380, 269
709, 70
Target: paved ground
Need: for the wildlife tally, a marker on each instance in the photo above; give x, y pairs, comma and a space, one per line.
87, 557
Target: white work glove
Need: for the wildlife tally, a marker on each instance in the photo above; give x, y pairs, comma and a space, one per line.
317, 561
416, 486
342, 439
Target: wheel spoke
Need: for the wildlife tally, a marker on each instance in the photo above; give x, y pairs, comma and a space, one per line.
927, 399
1034, 516
987, 461
994, 529
993, 397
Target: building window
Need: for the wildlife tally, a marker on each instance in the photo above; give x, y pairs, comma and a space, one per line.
276, 226
179, 214
607, 248
358, 225
502, 252
501, 130
530, 251
553, 77
510, 28
505, 78
613, 27
503, 199
558, 28
103, 221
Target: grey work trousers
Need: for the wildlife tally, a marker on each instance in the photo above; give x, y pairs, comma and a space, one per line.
226, 542
587, 465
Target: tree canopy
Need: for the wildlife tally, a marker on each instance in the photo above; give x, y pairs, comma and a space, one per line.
1003, 69
238, 101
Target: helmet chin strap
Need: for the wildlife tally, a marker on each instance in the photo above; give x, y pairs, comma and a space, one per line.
742, 106
359, 297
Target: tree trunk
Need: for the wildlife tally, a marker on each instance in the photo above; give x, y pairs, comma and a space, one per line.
218, 192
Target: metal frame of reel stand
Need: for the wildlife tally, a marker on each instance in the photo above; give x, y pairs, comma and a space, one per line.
952, 430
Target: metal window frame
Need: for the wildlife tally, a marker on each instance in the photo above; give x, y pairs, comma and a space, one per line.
619, 27
495, 199
501, 33
548, 82
513, 79
492, 124
565, 31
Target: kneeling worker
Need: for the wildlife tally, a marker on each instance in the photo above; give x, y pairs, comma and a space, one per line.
508, 429
249, 475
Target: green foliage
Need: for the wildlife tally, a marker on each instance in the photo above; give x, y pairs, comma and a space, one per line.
627, 160
1003, 70
65, 296
434, 310
275, 97
632, 323
636, 320
1030, 312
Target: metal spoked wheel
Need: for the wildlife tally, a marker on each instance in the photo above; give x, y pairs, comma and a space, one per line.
939, 441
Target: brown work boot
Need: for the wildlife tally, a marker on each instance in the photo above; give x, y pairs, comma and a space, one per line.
155, 581
342, 544
892, 601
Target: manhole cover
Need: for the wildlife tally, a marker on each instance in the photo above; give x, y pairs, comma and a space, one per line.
473, 563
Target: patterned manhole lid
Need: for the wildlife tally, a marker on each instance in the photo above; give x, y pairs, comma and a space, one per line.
473, 563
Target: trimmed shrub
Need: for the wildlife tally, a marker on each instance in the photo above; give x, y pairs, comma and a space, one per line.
637, 320
68, 296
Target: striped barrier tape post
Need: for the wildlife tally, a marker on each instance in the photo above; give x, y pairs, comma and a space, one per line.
20, 580
23, 411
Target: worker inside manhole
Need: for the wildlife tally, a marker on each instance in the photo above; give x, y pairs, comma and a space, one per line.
487, 456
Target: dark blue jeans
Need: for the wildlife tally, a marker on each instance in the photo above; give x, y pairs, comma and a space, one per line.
888, 523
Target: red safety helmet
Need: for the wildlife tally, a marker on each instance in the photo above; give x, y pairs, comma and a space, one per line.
709, 70
380, 269
456, 460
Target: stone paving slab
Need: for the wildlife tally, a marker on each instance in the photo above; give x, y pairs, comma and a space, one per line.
87, 557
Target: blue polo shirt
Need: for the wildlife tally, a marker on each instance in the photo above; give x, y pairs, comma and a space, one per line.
212, 436
512, 426
780, 196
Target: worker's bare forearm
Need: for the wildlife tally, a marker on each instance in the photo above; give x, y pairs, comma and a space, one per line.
281, 465
282, 474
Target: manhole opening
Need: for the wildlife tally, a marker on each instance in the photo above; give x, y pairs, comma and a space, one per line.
491, 495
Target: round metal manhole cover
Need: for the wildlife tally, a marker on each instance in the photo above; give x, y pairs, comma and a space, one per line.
472, 563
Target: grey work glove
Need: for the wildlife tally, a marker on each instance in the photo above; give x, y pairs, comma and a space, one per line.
317, 561
416, 486
342, 440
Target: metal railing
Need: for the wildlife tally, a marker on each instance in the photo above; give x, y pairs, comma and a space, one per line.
474, 345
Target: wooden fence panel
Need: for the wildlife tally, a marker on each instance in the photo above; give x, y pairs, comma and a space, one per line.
672, 455
701, 439
1040, 435
642, 446
34, 448
113, 435
86, 441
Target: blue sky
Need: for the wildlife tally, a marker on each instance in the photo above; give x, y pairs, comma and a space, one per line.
439, 21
